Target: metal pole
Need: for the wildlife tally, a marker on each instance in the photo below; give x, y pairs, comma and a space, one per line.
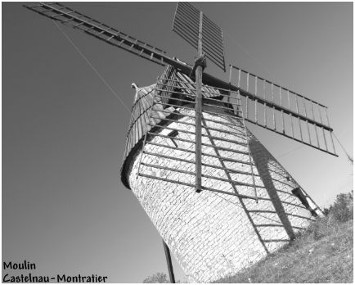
198, 111
169, 262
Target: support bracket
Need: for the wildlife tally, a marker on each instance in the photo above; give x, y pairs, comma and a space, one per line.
199, 61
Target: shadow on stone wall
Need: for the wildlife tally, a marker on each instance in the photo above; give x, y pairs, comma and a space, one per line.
262, 158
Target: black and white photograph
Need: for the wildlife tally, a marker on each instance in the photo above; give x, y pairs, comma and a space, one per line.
177, 142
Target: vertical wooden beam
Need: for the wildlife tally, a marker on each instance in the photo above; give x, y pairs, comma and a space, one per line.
169, 262
315, 127
239, 76
256, 110
229, 98
330, 133
230, 74
256, 101
321, 120
265, 119
198, 111
299, 120
305, 113
282, 113
273, 108
289, 106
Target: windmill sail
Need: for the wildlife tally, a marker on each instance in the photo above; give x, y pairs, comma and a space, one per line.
297, 118
101, 31
283, 111
186, 25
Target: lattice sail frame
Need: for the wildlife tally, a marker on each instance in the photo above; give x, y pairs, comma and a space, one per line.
265, 103
283, 111
247, 208
186, 25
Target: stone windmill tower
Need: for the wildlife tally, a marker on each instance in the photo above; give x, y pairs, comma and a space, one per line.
248, 206
218, 198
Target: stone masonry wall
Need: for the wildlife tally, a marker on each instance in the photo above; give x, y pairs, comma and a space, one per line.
213, 235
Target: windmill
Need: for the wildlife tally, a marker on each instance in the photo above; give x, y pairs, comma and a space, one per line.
217, 196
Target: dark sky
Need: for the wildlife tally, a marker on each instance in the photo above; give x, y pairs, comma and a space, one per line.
64, 206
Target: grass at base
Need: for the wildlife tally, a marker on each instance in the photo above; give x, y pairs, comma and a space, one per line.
323, 254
